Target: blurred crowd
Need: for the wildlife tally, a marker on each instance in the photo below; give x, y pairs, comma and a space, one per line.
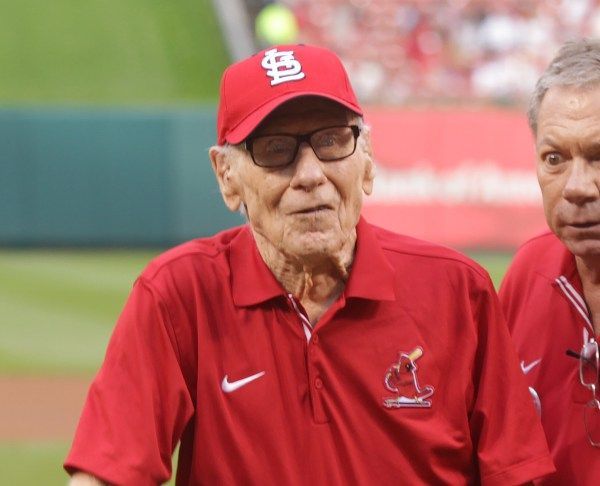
403, 51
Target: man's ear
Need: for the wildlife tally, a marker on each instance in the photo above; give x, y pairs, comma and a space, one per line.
369, 170
224, 166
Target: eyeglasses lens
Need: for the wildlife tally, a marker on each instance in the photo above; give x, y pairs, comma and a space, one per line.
273, 151
588, 364
333, 143
592, 421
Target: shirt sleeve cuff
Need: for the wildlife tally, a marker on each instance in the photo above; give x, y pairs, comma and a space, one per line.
521, 473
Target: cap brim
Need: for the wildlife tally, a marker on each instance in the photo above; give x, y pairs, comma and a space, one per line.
247, 126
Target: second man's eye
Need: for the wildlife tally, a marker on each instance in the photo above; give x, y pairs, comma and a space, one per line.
553, 158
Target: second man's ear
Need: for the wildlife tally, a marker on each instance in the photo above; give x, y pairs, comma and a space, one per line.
224, 166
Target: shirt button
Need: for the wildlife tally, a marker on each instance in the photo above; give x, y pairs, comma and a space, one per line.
315, 339
318, 383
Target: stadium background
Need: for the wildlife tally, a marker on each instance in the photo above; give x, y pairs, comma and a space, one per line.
107, 110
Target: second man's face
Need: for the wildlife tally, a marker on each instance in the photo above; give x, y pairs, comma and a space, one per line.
568, 166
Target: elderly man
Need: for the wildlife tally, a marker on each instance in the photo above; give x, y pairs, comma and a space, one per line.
307, 347
551, 294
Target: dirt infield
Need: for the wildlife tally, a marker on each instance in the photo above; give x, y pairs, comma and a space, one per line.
40, 408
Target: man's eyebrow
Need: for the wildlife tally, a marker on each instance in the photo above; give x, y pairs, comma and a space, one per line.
592, 146
547, 140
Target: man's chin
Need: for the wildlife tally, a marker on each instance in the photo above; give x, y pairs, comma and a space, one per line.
585, 249
315, 244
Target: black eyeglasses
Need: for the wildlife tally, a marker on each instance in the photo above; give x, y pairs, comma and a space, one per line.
280, 149
589, 366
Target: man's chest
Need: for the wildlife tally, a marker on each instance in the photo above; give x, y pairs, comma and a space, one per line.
546, 326
363, 360
364, 376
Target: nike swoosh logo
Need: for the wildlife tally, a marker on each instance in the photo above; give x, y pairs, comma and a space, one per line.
230, 386
527, 368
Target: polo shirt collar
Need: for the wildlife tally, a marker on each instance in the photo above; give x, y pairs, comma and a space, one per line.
371, 276
252, 281
560, 262
568, 269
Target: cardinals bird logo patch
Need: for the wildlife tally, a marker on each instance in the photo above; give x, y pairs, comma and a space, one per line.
401, 379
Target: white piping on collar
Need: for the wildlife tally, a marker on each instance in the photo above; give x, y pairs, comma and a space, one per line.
306, 326
578, 302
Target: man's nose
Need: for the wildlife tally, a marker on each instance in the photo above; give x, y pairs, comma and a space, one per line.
308, 169
582, 182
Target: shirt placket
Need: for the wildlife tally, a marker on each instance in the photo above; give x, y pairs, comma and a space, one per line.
316, 384
579, 393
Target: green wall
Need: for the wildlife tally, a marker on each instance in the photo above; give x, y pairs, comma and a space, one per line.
108, 177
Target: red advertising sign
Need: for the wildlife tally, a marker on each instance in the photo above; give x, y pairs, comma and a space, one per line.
462, 178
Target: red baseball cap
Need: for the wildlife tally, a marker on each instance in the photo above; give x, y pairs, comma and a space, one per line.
254, 87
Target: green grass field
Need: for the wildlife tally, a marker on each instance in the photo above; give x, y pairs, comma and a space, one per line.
109, 51
32, 464
495, 263
59, 306
58, 309
35, 464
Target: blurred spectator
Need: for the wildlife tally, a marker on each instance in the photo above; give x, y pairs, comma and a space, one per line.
402, 51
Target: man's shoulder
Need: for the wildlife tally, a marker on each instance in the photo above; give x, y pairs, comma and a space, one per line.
536, 262
541, 254
545, 241
407, 247
200, 251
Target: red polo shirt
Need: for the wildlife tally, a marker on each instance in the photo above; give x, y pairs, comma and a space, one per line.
543, 302
409, 377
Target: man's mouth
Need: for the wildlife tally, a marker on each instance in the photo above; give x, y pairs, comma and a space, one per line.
589, 224
589, 228
313, 209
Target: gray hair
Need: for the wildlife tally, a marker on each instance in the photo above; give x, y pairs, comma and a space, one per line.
576, 64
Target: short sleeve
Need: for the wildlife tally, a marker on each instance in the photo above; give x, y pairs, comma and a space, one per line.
505, 428
138, 405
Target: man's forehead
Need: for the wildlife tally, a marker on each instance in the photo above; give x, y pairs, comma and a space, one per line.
569, 99
568, 109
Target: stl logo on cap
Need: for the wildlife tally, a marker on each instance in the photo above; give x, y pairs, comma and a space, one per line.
282, 66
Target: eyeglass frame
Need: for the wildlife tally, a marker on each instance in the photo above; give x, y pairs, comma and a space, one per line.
302, 138
594, 403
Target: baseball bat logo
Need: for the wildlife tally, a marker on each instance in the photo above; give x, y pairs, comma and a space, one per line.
401, 379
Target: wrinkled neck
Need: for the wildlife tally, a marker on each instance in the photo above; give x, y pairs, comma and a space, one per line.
316, 281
